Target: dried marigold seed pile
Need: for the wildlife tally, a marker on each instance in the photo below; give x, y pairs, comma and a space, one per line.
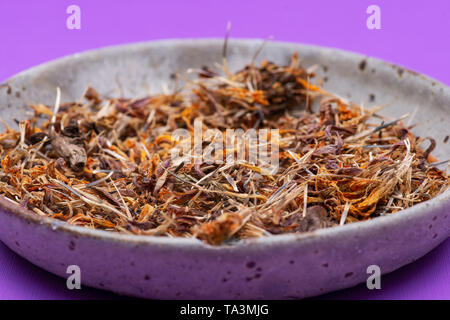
106, 163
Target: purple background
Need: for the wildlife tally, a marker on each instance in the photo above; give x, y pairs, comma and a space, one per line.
414, 34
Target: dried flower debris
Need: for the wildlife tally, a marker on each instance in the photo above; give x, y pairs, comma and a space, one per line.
105, 163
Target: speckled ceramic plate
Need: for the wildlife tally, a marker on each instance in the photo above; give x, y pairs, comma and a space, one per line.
276, 267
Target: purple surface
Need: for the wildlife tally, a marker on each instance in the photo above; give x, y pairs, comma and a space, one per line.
413, 34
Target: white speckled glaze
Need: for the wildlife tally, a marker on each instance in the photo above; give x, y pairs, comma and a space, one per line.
277, 267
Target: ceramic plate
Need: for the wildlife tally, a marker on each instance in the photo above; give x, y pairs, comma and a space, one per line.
276, 267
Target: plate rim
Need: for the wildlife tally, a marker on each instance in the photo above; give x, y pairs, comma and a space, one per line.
416, 211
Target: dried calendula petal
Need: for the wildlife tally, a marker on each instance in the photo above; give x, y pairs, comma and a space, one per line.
220, 230
42, 109
109, 163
